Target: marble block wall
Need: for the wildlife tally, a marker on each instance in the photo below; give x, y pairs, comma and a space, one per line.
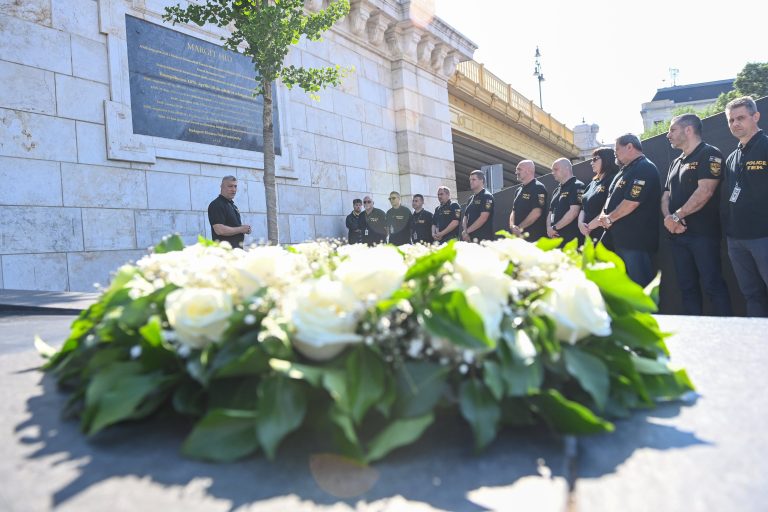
80, 194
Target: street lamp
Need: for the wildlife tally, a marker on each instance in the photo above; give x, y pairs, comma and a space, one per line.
539, 75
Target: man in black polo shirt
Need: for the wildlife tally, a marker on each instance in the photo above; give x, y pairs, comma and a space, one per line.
746, 222
563, 218
356, 223
689, 205
445, 221
478, 219
527, 217
224, 216
421, 221
375, 231
632, 209
398, 221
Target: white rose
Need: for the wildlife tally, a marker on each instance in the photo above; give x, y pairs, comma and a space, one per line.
198, 315
373, 273
490, 310
576, 305
526, 254
324, 314
269, 266
479, 266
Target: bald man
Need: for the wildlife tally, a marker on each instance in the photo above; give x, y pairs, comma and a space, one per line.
562, 221
527, 218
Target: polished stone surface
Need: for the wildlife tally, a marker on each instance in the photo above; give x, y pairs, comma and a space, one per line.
708, 453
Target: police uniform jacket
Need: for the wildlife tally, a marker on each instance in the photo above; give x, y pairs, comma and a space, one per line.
479, 203
747, 168
704, 163
399, 225
566, 195
639, 182
528, 197
375, 227
421, 227
444, 215
593, 202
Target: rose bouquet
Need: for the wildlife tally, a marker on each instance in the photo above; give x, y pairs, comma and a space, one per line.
367, 344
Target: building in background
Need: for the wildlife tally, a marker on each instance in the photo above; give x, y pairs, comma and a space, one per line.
697, 96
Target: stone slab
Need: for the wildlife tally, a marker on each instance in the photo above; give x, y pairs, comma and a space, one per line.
67, 301
711, 455
47, 463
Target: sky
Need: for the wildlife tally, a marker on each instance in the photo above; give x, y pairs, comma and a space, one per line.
602, 59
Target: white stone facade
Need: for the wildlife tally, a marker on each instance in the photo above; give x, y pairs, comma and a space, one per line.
82, 194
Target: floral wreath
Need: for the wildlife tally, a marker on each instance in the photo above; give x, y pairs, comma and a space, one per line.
365, 343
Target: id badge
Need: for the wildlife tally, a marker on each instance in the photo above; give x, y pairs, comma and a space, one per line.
735, 194
366, 232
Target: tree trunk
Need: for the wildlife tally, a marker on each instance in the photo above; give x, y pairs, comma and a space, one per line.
270, 190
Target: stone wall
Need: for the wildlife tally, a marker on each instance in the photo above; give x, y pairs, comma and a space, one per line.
82, 194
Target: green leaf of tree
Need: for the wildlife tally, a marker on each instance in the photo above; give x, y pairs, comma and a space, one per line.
481, 410
365, 381
170, 243
282, 406
398, 433
590, 372
223, 435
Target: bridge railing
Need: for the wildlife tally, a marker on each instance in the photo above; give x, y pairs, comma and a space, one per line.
502, 90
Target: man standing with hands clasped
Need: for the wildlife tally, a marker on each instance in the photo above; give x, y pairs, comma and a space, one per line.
445, 221
689, 206
746, 222
631, 211
562, 221
226, 225
478, 221
527, 217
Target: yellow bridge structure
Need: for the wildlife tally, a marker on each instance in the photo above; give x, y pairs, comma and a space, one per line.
493, 123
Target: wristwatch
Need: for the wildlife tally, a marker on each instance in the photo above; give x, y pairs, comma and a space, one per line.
608, 220
675, 217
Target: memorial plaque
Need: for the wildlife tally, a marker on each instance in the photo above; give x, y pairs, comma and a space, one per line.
188, 89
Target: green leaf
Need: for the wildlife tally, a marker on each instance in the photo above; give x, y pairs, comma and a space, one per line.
152, 332
481, 411
619, 290
311, 374
639, 331
347, 436
428, 265
223, 435
566, 416
590, 372
450, 315
547, 244
493, 379
189, 398
398, 433
420, 384
169, 243
365, 381
116, 392
650, 366
282, 406
668, 387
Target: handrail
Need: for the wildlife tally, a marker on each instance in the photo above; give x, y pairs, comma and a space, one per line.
478, 74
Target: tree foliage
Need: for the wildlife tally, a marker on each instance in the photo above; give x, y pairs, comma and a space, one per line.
265, 30
752, 80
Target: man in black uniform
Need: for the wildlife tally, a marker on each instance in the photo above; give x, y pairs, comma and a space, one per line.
398, 221
563, 218
527, 217
375, 231
746, 222
478, 219
692, 217
632, 209
445, 222
356, 223
224, 216
421, 222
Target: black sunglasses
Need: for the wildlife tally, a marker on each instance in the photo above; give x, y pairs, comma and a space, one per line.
595, 158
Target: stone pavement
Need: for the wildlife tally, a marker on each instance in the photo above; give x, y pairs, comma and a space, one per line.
707, 454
